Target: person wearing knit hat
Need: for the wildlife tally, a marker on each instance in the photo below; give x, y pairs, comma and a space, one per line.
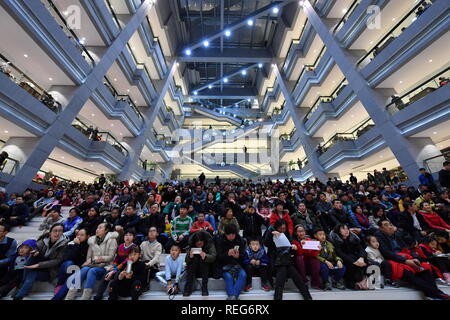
14, 275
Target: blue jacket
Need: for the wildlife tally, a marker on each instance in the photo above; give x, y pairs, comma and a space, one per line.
260, 255
70, 225
426, 179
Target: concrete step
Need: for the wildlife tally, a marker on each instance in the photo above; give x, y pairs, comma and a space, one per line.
256, 294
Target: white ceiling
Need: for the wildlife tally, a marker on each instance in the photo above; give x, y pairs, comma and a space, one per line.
337, 11
97, 118
390, 15
9, 129
150, 155
348, 121
38, 66
309, 58
431, 60
123, 86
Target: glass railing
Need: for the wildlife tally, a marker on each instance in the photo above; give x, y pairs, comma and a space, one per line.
96, 135
326, 99
26, 83
310, 67
122, 97
434, 164
295, 42
146, 166
111, 10
346, 16
9, 166
397, 30
109, 138
365, 126
59, 18
422, 90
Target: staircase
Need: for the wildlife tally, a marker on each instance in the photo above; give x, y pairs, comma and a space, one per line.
213, 114
216, 287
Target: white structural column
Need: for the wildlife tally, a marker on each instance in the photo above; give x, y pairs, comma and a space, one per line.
137, 144
409, 152
306, 140
33, 160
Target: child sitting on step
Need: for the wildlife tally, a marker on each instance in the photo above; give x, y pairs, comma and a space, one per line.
174, 268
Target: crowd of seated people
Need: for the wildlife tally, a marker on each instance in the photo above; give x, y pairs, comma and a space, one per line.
322, 236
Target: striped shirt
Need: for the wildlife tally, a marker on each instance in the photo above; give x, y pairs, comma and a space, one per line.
181, 226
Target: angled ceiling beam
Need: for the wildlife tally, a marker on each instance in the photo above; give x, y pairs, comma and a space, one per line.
236, 25
221, 80
230, 55
227, 93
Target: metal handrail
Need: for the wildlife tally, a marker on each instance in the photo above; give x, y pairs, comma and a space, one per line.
122, 97
5, 165
72, 36
116, 20
313, 65
376, 47
346, 15
22, 80
116, 144
432, 80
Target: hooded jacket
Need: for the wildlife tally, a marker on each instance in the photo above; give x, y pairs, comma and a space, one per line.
105, 250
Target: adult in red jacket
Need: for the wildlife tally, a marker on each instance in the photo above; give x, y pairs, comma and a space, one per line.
433, 220
280, 213
404, 266
306, 260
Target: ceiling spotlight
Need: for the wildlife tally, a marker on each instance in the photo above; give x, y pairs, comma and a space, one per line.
195, 93
210, 87
6, 131
25, 55
344, 10
206, 43
260, 65
51, 79
227, 33
244, 72
93, 114
83, 41
225, 80
188, 52
275, 10
248, 100
250, 22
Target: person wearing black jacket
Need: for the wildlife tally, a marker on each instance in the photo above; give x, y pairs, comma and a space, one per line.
252, 223
19, 213
91, 222
411, 222
282, 261
128, 221
348, 247
391, 243
287, 204
339, 216
231, 202
210, 206
129, 284
154, 219
230, 256
86, 205
74, 255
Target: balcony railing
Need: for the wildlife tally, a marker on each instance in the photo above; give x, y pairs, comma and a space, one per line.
351, 136
398, 29
68, 31
9, 166
96, 135
344, 19
26, 83
422, 90
111, 10
326, 99
310, 67
122, 97
431, 165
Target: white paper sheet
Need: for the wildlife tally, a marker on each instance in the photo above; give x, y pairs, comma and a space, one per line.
281, 241
311, 245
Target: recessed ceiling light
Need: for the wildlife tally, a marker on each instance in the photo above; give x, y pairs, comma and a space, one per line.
115, 79
431, 60
51, 79
393, 19
93, 114
206, 43
25, 55
210, 87
401, 81
227, 33
112, 124
195, 93
121, 133
188, 52
66, 13
250, 22
260, 65
434, 132
62, 157
352, 115
275, 10
225, 80
6, 131
244, 72
128, 90
344, 10
371, 42
381, 156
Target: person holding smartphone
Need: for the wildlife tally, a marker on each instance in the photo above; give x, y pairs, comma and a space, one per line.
199, 259
230, 255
